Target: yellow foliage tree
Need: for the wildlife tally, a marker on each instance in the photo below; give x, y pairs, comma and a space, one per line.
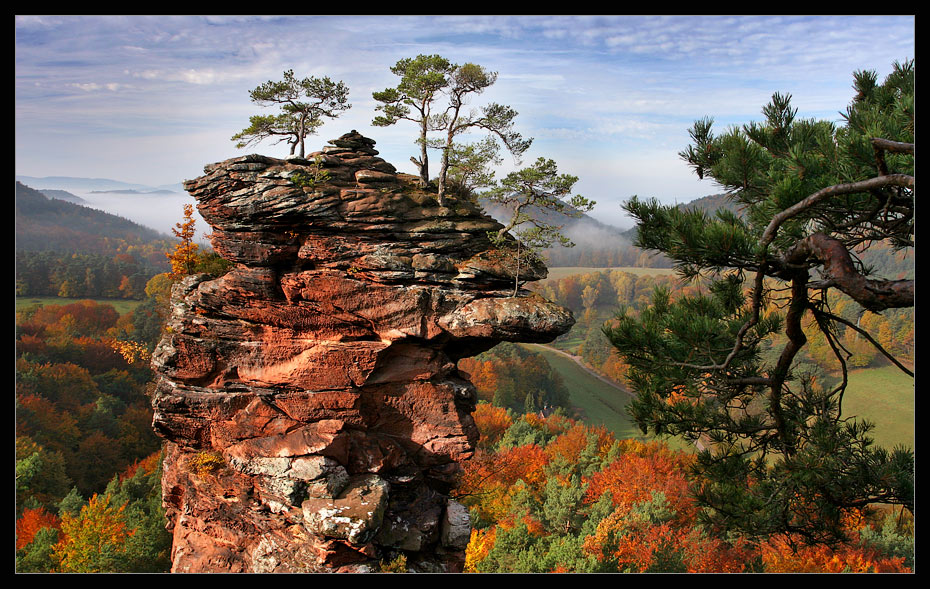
94, 540
184, 257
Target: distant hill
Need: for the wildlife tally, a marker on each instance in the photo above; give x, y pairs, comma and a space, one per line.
63, 195
81, 184
597, 245
95, 185
712, 203
131, 191
44, 224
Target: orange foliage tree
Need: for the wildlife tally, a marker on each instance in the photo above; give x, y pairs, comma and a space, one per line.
492, 422
184, 257
779, 555
30, 522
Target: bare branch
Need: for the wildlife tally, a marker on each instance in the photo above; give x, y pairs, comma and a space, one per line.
866, 335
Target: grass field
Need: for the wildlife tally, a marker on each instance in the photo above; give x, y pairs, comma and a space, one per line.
885, 397
600, 403
121, 305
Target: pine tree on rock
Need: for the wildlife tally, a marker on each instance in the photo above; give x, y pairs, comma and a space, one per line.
422, 80
303, 105
535, 197
425, 81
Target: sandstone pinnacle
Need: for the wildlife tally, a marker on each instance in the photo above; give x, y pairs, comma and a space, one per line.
322, 368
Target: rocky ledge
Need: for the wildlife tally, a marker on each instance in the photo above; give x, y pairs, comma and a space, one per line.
314, 415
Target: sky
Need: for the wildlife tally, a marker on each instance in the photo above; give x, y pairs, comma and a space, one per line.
152, 99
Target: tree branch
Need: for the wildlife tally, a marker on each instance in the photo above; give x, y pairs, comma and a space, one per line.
866, 335
880, 182
893, 146
874, 295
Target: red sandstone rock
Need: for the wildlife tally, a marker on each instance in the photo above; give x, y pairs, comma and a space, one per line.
320, 371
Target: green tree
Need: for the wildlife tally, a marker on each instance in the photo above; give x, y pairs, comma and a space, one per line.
471, 167
422, 80
534, 198
418, 97
780, 457
466, 80
303, 104
39, 555
148, 547
41, 479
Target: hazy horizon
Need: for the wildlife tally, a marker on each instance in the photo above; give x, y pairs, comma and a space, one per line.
151, 100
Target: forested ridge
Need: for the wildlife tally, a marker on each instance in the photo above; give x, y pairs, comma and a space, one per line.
43, 223
68, 250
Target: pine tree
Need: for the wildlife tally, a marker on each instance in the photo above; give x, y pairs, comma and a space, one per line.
533, 197
303, 104
781, 457
424, 81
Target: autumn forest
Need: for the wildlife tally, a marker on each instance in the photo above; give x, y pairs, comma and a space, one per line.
745, 361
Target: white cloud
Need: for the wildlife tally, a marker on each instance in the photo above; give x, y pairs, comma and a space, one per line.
189, 75
93, 86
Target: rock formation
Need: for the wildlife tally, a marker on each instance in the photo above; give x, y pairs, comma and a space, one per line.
314, 416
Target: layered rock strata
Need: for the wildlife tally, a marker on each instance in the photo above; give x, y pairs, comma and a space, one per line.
314, 416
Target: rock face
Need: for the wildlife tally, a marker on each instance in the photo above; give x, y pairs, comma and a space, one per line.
314, 416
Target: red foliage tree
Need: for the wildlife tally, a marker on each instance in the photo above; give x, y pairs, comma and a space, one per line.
30, 522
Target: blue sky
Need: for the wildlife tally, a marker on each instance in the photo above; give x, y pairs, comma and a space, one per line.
151, 100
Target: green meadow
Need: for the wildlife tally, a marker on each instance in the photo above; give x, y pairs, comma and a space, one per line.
883, 396
121, 305
598, 402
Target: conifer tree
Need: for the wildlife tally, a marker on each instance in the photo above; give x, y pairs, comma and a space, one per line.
465, 80
303, 105
422, 80
535, 197
418, 97
781, 456
471, 167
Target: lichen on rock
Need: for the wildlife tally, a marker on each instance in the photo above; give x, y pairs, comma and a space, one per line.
322, 367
